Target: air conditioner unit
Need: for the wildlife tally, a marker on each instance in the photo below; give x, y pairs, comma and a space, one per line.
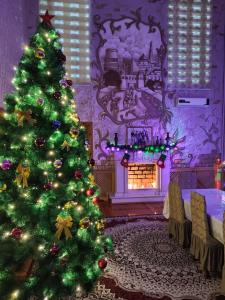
192, 101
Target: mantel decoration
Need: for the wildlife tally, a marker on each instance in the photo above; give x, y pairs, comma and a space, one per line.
157, 146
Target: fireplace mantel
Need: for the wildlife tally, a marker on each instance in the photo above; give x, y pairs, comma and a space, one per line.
124, 195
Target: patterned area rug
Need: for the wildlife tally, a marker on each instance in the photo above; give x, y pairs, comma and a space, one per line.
147, 265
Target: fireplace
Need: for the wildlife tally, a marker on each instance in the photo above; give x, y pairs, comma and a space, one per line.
142, 176
142, 181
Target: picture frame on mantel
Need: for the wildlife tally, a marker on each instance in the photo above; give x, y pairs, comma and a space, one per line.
139, 135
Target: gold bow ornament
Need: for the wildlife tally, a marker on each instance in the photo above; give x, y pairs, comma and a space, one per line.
66, 145
91, 179
23, 175
63, 224
74, 117
24, 115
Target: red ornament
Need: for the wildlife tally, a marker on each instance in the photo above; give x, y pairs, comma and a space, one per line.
61, 57
102, 263
47, 186
161, 161
78, 174
69, 82
54, 250
16, 233
47, 18
95, 200
90, 192
39, 142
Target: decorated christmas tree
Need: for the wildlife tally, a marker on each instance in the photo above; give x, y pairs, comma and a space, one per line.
51, 229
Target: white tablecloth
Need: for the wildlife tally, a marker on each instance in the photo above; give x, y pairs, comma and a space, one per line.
215, 206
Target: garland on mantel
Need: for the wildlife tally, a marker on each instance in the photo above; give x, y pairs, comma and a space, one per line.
135, 148
154, 148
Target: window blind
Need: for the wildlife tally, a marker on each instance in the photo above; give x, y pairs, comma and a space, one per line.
72, 22
189, 34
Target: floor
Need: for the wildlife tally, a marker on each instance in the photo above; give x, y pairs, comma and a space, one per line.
130, 209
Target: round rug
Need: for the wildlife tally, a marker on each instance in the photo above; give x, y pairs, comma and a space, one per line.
146, 260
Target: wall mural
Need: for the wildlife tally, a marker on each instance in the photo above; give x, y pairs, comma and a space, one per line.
129, 80
128, 72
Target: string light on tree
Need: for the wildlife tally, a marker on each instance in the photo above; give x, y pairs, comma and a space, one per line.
46, 183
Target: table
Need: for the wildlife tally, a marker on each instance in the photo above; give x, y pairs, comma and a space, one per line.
215, 206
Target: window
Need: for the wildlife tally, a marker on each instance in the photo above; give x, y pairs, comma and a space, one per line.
72, 22
189, 35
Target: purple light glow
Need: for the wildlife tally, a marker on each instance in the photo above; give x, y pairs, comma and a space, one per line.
117, 149
113, 149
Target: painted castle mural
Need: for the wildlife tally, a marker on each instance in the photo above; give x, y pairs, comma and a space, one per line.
129, 71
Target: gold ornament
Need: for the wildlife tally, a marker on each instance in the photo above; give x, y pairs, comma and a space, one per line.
64, 223
74, 132
24, 115
100, 225
23, 174
40, 53
84, 223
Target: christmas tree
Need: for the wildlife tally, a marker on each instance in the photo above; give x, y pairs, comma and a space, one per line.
51, 228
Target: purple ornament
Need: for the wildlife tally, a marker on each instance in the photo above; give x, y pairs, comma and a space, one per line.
40, 101
63, 83
6, 164
56, 124
57, 95
54, 250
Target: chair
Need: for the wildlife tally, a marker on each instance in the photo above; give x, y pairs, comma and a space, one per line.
179, 227
223, 272
203, 246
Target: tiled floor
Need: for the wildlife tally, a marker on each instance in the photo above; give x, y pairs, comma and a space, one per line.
131, 209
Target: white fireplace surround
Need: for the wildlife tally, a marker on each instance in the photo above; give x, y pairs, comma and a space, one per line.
124, 195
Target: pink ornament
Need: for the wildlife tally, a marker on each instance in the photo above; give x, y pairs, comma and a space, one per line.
47, 186
54, 250
6, 164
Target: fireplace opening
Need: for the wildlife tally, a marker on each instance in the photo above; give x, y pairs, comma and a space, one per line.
142, 176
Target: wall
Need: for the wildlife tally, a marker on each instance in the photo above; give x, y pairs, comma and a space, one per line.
197, 130
17, 23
